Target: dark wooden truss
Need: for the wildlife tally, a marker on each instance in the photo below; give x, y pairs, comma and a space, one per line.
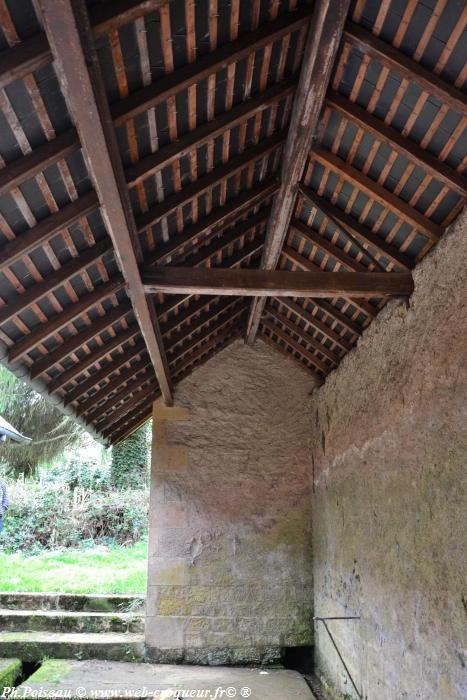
139, 137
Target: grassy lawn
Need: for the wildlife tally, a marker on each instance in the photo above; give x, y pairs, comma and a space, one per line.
96, 570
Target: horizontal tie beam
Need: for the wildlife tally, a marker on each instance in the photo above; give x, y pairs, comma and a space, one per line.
279, 283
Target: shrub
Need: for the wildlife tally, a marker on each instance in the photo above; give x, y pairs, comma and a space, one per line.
52, 515
78, 473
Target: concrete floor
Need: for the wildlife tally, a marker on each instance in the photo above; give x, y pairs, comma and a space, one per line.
91, 679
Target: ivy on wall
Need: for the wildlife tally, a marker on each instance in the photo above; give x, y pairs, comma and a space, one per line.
130, 460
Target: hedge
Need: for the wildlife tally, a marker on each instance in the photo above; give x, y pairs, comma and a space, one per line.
50, 516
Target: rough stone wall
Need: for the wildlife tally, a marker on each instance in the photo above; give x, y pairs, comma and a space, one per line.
389, 448
230, 575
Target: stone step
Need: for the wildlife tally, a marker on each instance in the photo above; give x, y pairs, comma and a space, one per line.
10, 672
68, 621
74, 602
35, 646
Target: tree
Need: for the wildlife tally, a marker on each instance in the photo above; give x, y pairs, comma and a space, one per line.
50, 430
130, 460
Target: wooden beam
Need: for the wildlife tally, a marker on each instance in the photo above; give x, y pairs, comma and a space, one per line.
321, 48
318, 377
316, 323
209, 63
106, 415
26, 167
406, 147
68, 31
160, 159
296, 346
99, 413
92, 404
308, 265
355, 229
380, 194
105, 393
139, 418
213, 327
34, 53
110, 16
40, 289
244, 282
108, 407
144, 412
216, 341
197, 259
303, 335
74, 310
68, 315
76, 341
104, 372
95, 356
152, 391
24, 58
195, 189
339, 316
216, 221
326, 246
337, 254
386, 54
126, 418
26, 242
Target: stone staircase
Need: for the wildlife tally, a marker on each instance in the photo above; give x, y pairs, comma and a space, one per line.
37, 625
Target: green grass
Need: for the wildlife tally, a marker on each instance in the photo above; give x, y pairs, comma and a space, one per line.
96, 570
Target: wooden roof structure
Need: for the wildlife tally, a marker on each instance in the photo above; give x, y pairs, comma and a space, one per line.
243, 141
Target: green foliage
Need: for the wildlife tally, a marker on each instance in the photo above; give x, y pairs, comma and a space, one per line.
130, 460
91, 474
28, 412
51, 515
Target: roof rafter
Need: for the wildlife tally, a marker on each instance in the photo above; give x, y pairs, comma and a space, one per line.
211, 224
26, 167
316, 324
85, 259
204, 66
379, 193
69, 35
297, 347
307, 265
305, 337
133, 421
390, 57
91, 407
220, 328
323, 41
357, 230
34, 53
408, 148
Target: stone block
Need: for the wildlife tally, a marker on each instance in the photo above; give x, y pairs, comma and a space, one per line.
169, 413
167, 571
169, 516
171, 458
166, 632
